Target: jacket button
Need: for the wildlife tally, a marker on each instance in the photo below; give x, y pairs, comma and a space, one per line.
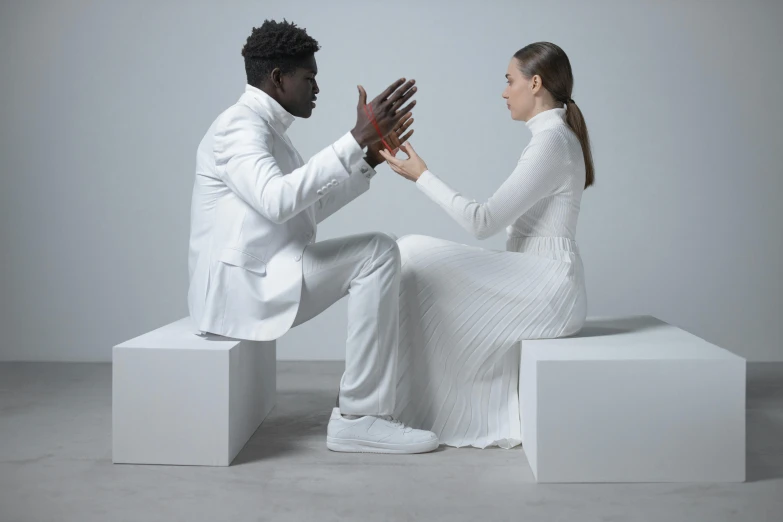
320, 192
364, 170
297, 258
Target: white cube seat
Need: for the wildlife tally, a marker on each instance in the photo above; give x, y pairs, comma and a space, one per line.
187, 399
632, 399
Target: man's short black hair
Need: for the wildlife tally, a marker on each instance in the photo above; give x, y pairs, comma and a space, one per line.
276, 44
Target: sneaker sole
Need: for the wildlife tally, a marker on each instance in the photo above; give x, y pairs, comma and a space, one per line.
356, 446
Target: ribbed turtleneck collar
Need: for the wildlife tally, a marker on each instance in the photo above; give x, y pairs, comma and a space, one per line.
268, 108
546, 119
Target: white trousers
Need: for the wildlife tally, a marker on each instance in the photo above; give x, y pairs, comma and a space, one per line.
366, 268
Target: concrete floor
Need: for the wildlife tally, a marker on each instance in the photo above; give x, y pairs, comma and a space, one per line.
55, 465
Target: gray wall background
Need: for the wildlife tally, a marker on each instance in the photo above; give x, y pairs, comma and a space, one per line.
102, 105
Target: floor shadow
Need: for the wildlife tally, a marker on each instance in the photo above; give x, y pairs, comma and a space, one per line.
764, 451
296, 424
764, 422
765, 384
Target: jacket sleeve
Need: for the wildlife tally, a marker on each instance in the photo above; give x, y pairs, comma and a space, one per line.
244, 160
356, 185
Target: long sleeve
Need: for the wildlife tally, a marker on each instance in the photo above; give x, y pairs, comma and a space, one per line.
356, 185
537, 175
244, 160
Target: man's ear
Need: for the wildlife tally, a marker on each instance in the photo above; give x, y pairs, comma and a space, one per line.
277, 78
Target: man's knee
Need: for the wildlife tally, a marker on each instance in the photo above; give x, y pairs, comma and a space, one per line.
386, 247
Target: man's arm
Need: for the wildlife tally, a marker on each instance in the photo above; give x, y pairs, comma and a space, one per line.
243, 157
356, 185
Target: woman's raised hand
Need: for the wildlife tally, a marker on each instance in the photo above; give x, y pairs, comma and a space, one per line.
411, 168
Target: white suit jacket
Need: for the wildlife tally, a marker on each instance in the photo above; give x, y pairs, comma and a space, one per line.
254, 209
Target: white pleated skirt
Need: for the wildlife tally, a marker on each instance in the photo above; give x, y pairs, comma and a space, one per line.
463, 312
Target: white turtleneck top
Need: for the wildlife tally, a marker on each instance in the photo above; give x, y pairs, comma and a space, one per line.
541, 197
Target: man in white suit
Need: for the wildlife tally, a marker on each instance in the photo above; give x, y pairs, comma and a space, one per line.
255, 267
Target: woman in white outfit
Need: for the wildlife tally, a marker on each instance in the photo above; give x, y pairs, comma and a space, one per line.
462, 308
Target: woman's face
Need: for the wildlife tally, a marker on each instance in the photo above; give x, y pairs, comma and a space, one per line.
519, 94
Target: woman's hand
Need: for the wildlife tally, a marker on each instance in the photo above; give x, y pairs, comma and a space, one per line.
374, 157
411, 168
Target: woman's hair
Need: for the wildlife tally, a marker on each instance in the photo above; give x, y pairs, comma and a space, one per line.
551, 63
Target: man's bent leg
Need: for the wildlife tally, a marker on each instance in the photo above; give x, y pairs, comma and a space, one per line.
365, 267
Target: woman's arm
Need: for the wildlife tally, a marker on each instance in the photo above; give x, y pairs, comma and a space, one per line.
538, 174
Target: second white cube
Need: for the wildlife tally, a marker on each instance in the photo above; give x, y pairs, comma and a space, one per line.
632, 400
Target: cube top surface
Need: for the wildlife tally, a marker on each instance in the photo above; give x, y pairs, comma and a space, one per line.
180, 335
626, 338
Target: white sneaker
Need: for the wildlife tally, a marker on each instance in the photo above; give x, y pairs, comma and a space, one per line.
371, 434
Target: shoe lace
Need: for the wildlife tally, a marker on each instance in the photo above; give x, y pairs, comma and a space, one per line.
397, 424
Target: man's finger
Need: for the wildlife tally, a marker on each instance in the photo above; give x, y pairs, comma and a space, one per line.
393, 139
406, 89
390, 89
407, 136
408, 107
403, 126
395, 104
403, 120
362, 96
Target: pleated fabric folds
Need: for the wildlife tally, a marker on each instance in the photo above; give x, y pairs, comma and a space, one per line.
463, 312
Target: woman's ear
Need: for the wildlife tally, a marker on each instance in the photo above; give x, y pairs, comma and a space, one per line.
535, 83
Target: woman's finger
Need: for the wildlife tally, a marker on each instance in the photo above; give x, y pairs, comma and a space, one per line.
391, 160
408, 149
